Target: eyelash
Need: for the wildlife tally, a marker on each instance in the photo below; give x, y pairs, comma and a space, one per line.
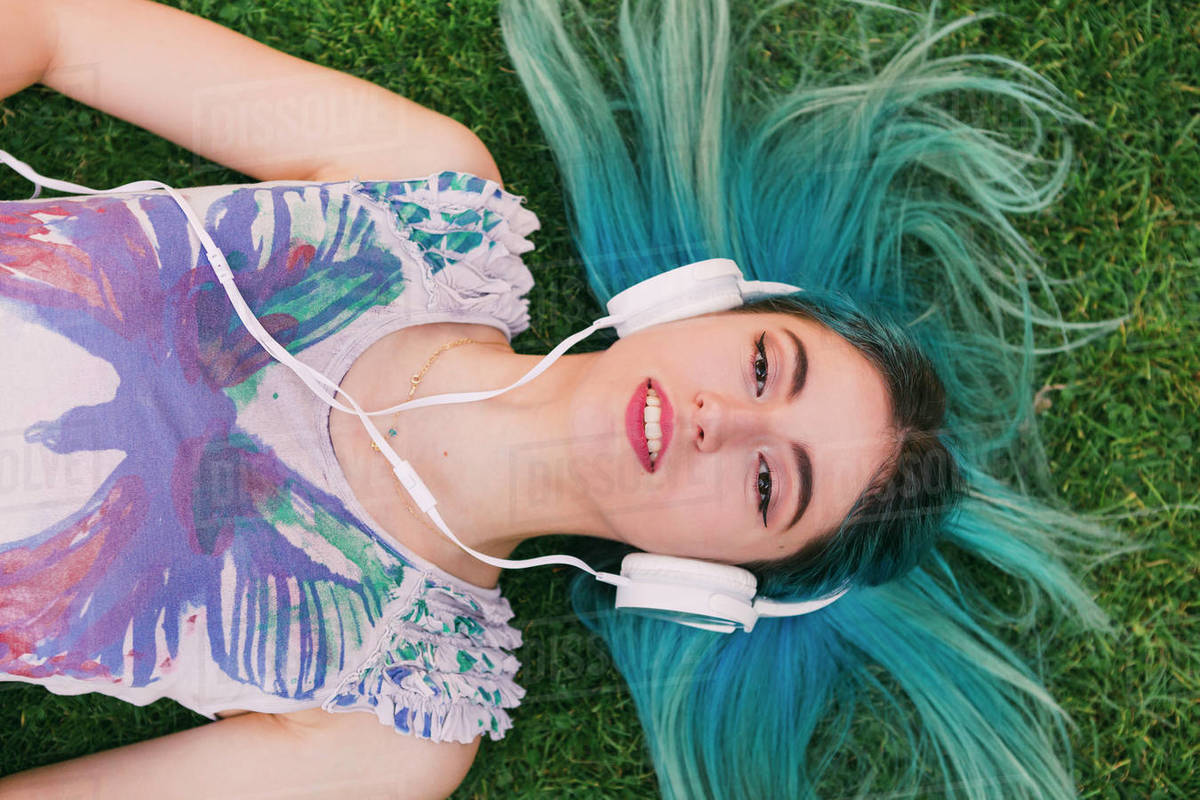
762, 356
764, 469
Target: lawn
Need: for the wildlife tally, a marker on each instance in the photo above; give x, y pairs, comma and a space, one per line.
1119, 427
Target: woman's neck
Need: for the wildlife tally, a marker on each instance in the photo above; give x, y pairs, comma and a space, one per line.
498, 468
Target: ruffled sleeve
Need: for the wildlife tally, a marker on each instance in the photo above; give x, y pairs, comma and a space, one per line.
442, 669
468, 234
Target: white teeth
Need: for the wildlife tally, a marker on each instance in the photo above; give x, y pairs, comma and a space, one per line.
651, 417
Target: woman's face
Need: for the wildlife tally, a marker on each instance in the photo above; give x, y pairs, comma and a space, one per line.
801, 424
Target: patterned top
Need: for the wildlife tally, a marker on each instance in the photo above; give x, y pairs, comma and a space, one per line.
175, 522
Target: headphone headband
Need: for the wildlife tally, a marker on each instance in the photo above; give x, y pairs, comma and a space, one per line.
702, 287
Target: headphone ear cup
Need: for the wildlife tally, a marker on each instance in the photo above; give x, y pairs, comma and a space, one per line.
699, 594
690, 572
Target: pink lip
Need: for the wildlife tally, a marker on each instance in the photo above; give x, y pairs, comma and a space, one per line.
635, 426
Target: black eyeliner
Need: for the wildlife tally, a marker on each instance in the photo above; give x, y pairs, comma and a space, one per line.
765, 502
767, 368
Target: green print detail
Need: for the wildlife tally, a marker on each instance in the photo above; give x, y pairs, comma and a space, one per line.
425, 654
352, 247
419, 611
345, 550
308, 298
433, 245
408, 651
465, 661
236, 260
491, 219
457, 233
377, 191
243, 394
425, 239
411, 213
461, 219
467, 625
462, 182
462, 241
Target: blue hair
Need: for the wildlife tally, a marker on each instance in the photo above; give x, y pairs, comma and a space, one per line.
865, 188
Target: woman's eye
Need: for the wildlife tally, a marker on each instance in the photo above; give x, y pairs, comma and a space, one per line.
764, 488
761, 366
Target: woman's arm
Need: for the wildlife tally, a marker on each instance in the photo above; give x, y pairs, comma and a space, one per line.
227, 97
316, 755
26, 44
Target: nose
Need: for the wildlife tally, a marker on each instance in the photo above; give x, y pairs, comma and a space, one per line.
719, 420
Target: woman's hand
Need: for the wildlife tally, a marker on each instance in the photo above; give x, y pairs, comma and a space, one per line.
229, 98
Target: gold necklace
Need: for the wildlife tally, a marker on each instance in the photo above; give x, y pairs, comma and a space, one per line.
415, 381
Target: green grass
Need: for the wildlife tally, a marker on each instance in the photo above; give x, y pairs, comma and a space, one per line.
1121, 432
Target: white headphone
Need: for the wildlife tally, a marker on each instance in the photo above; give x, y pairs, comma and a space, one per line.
700, 594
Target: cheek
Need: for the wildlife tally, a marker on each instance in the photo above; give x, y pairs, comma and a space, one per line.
693, 514
701, 483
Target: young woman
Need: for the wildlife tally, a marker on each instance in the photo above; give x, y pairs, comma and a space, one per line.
248, 552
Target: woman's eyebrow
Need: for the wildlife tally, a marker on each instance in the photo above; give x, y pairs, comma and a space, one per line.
803, 462
804, 470
799, 367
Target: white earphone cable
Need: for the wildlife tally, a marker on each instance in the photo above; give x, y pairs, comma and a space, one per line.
404, 471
